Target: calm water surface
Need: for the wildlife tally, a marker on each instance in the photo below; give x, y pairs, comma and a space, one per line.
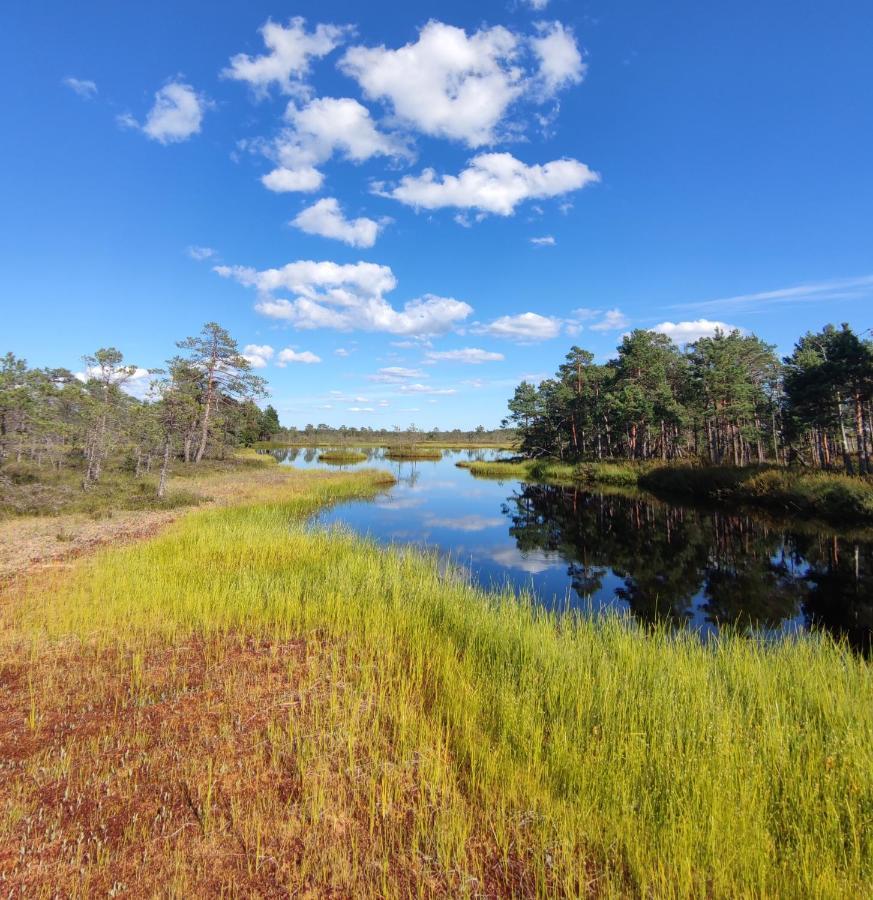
602, 551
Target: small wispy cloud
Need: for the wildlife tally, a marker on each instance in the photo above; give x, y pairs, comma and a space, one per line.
81, 86
833, 289
545, 241
200, 254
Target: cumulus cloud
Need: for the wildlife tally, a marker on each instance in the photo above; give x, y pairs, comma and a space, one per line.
82, 86
453, 85
525, 328
291, 51
325, 218
346, 297
316, 131
545, 241
446, 84
292, 356
341, 351
560, 62
200, 254
137, 385
493, 183
469, 355
283, 180
258, 355
396, 375
612, 320
176, 115
688, 332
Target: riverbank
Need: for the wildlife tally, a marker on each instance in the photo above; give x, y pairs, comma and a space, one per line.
833, 497
245, 704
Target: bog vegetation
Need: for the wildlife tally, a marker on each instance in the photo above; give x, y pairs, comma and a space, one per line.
725, 400
248, 706
57, 427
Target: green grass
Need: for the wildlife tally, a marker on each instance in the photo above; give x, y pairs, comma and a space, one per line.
824, 495
341, 457
28, 490
588, 754
419, 451
614, 473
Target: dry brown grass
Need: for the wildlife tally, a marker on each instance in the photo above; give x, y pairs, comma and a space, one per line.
180, 771
28, 543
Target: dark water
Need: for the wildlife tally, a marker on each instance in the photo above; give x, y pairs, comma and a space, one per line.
603, 550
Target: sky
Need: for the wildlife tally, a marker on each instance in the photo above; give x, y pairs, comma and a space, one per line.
401, 210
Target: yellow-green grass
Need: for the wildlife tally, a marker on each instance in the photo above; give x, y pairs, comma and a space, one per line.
342, 457
440, 739
400, 454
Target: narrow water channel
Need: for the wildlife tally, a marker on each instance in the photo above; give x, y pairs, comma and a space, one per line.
605, 550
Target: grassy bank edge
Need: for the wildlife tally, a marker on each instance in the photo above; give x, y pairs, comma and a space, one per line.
833, 497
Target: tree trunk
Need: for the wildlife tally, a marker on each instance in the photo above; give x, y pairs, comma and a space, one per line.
162, 482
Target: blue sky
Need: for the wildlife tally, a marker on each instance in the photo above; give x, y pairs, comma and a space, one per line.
431, 200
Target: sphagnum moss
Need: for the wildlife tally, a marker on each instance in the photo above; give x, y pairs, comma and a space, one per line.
444, 740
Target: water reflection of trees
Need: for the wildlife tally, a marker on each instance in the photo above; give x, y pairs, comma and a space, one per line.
734, 570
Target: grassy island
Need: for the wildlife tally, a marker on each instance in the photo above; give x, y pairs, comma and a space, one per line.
342, 457
412, 453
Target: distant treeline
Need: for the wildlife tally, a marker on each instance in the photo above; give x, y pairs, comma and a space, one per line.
726, 399
199, 405
345, 435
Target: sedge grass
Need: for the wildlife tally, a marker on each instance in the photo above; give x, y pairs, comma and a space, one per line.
342, 456
465, 742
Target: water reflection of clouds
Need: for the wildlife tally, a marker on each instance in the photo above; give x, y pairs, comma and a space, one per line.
394, 502
531, 562
464, 523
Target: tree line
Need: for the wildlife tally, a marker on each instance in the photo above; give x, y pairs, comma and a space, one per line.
200, 404
725, 399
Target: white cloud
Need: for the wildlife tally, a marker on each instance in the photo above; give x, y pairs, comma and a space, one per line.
834, 289
137, 385
469, 355
446, 84
526, 328
292, 356
282, 180
613, 320
346, 297
177, 114
315, 132
361, 409
396, 375
425, 389
688, 332
325, 218
341, 351
82, 86
453, 85
291, 50
538, 5
560, 62
545, 241
258, 355
494, 183
200, 254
